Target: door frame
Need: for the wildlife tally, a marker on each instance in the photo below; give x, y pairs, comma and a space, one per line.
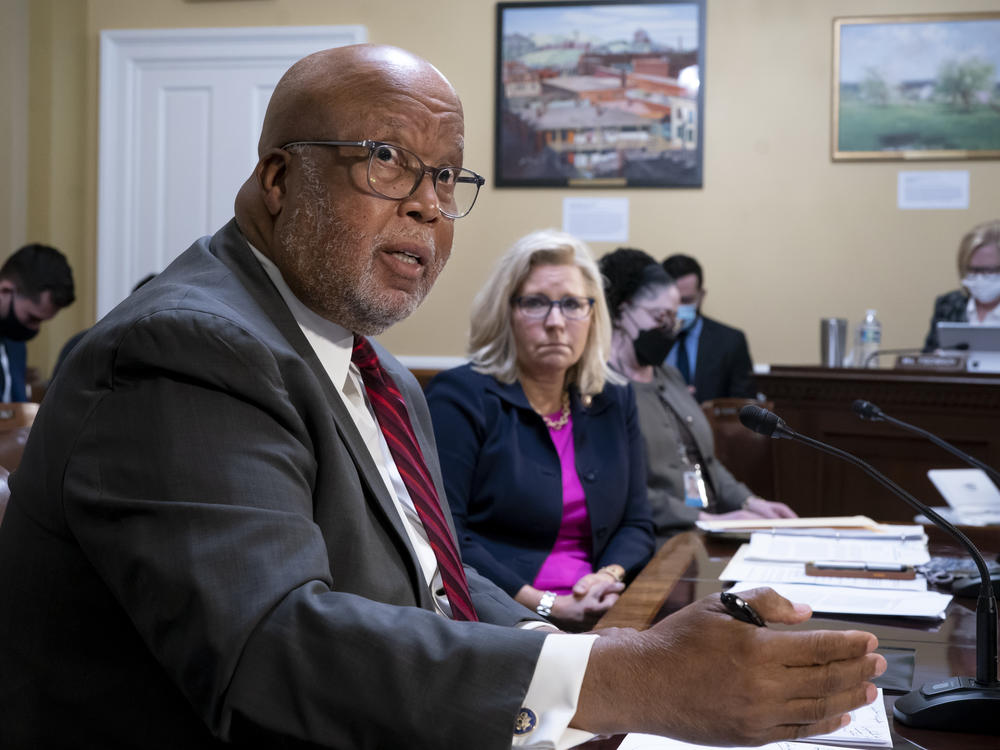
125, 54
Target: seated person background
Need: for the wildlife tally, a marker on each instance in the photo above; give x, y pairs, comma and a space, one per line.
685, 481
713, 358
540, 448
978, 301
36, 282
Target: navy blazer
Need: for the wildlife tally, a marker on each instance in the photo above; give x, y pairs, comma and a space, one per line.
504, 482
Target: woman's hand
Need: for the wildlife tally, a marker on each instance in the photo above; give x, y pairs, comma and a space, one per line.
754, 508
592, 596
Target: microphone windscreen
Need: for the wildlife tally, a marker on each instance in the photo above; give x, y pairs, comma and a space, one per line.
866, 409
759, 419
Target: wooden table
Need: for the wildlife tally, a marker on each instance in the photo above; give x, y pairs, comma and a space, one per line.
687, 568
963, 408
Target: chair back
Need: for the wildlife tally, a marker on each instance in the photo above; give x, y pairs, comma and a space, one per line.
15, 424
747, 454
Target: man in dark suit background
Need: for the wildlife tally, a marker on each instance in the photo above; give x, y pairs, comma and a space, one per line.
713, 358
212, 538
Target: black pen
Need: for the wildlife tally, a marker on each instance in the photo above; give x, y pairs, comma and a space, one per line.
741, 609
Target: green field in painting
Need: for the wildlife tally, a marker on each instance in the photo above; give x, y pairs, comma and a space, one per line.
917, 126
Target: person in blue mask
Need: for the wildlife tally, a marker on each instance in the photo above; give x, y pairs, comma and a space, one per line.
713, 358
35, 283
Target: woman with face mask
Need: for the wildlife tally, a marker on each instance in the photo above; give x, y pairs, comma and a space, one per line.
978, 301
685, 481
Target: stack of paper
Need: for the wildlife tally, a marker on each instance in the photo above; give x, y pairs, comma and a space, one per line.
869, 727
826, 522
777, 559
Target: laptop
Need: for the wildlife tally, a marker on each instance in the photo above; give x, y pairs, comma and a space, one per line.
968, 337
973, 500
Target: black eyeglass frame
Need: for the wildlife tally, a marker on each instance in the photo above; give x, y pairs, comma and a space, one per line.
516, 302
461, 172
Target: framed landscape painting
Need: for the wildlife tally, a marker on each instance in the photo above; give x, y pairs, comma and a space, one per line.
916, 87
598, 94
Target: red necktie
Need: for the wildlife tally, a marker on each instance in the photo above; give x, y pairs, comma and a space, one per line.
390, 410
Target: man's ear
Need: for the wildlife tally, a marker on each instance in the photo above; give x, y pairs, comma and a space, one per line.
270, 173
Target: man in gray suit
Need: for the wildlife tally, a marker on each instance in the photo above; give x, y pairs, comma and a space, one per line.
209, 539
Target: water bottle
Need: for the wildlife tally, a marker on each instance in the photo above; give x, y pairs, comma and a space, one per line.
868, 340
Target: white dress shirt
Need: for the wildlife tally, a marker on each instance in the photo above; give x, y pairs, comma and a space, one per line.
555, 685
992, 317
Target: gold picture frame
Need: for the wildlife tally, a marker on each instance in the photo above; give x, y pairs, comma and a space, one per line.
916, 87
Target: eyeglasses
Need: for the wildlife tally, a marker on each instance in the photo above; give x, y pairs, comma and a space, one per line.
538, 306
982, 270
395, 173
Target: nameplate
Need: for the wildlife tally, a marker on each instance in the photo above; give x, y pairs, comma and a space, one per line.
940, 362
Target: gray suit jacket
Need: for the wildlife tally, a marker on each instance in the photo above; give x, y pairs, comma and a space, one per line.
660, 403
199, 547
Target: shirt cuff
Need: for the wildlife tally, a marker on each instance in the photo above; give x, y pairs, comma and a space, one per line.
553, 694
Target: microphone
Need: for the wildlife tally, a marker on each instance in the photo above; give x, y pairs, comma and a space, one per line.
956, 704
868, 410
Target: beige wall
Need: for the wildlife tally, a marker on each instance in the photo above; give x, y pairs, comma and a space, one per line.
786, 236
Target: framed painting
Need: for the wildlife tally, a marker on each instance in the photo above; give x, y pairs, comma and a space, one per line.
599, 94
916, 87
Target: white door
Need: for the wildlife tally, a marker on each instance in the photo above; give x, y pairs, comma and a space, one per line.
181, 111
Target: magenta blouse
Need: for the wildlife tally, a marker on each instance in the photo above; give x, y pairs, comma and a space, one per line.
570, 558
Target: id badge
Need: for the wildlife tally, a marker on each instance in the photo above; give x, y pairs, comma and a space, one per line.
695, 495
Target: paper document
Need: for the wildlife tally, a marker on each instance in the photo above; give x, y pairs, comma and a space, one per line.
788, 523
770, 572
963, 516
869, 727
881, 532
974, 499
808, 548
840, 600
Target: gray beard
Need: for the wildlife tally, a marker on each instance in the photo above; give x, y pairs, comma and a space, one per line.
310, 247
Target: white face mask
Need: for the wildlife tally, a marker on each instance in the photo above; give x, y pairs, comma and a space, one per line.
985, 287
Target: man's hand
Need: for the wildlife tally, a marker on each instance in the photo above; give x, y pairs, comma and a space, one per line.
702, 676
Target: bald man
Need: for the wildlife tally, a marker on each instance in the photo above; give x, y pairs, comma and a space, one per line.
216, 534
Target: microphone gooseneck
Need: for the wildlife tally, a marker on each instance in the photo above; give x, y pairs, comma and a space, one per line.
868, 410
959, 704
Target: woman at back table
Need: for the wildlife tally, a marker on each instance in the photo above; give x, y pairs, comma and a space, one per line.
539, 442
978, 301
686, 482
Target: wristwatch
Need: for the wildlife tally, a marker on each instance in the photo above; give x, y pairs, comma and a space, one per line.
544, 607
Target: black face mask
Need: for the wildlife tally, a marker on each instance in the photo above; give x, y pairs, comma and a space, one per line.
651, 345
13, 329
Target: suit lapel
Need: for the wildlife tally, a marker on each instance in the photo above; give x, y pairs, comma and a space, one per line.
707, 360
231, 248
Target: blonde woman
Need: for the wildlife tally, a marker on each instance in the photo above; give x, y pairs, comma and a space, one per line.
539, 441
978, 301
